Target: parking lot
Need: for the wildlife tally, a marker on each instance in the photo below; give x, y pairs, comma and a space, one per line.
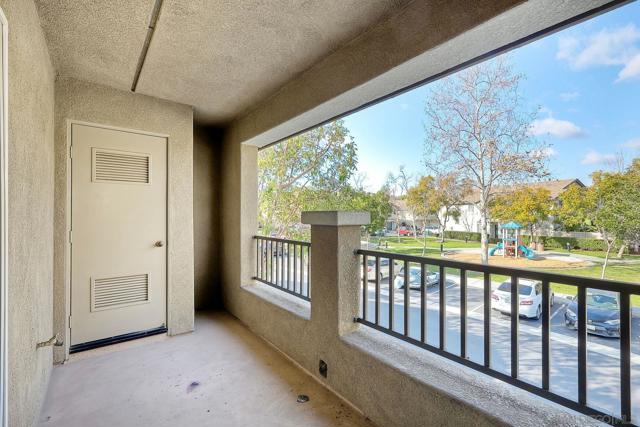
602, 353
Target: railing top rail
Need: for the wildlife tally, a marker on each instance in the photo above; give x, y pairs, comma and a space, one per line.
578, 281
276, 239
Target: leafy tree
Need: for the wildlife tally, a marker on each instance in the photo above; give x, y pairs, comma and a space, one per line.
418, 198
438, 197
301, 173
530, 206
573, 212
476, 126
611, 205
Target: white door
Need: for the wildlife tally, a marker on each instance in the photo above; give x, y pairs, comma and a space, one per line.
118, 233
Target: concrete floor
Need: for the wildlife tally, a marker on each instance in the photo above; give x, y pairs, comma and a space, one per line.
221, 375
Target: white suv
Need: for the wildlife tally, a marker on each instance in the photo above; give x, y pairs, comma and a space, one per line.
530, 297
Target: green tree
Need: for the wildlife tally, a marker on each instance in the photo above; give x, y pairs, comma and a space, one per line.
301, 173
610, 205
477, 126
418, 198
530, 206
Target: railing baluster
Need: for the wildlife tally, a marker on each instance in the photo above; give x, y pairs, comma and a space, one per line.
365, 288
583, 284
463, 313
391, 291
487, 320
289, 266
270, 279
274, 259
443, 310
423, 302
582, 345
295, 267
515, 305
377, 290
546, 308
406, 298
277, 260
625, 357
308, 271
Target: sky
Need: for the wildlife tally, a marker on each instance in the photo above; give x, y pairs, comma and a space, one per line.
584, 81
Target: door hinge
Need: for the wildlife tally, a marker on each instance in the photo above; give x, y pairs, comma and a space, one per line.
70, 236
69, 321
71, 151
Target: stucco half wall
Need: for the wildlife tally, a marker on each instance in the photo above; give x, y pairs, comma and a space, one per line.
88, 102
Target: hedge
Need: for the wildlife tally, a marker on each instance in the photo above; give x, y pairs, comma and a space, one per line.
585, 244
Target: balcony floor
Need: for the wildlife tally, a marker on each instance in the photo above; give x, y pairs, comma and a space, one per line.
221, 375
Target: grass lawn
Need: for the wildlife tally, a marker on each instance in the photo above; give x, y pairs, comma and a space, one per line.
413, 246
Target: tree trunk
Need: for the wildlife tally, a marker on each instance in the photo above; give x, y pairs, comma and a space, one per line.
413, 221
606, 258
484, 241
621, 250
424, 238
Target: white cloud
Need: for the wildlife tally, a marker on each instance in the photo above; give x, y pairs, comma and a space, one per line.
632, 143
562, 129
568, 96
593, 157
545, 152
608, 47
631, 69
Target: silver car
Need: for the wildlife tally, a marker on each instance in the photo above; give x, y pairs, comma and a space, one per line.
415, 278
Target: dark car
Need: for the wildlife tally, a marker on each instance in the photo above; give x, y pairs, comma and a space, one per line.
603, 314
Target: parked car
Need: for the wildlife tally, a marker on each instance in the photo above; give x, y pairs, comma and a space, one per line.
405, 232
371, 269
415, 273
529, 296
603, 313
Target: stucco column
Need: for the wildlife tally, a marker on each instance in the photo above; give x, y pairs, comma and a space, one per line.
335, 271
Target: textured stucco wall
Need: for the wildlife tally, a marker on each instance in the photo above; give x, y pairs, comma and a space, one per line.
207, 144
83, 101
31, 109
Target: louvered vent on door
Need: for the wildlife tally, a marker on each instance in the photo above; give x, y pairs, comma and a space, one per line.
121, 166
113, 292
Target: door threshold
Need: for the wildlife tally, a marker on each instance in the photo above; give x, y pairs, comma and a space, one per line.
90, 345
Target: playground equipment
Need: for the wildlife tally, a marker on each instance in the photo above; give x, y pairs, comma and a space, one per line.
511, 244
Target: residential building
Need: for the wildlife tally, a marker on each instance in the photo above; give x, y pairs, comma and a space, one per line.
469, 219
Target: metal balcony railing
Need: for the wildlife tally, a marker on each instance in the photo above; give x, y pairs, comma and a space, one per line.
403, 312
284, 264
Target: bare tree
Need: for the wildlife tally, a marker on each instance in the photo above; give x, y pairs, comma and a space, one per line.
476, 126
399, 186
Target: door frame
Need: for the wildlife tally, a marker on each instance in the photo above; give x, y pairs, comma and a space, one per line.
4, 228
69, 227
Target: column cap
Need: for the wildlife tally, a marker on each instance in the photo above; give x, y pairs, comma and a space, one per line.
336, 218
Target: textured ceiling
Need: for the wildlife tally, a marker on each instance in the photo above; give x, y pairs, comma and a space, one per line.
221, 56
96, 40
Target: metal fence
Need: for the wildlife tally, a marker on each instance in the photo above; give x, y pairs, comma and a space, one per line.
429, 277
284, 264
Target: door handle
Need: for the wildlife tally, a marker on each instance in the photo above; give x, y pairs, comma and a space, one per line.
159, 244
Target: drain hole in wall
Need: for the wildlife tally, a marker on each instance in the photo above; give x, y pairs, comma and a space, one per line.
323, 368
